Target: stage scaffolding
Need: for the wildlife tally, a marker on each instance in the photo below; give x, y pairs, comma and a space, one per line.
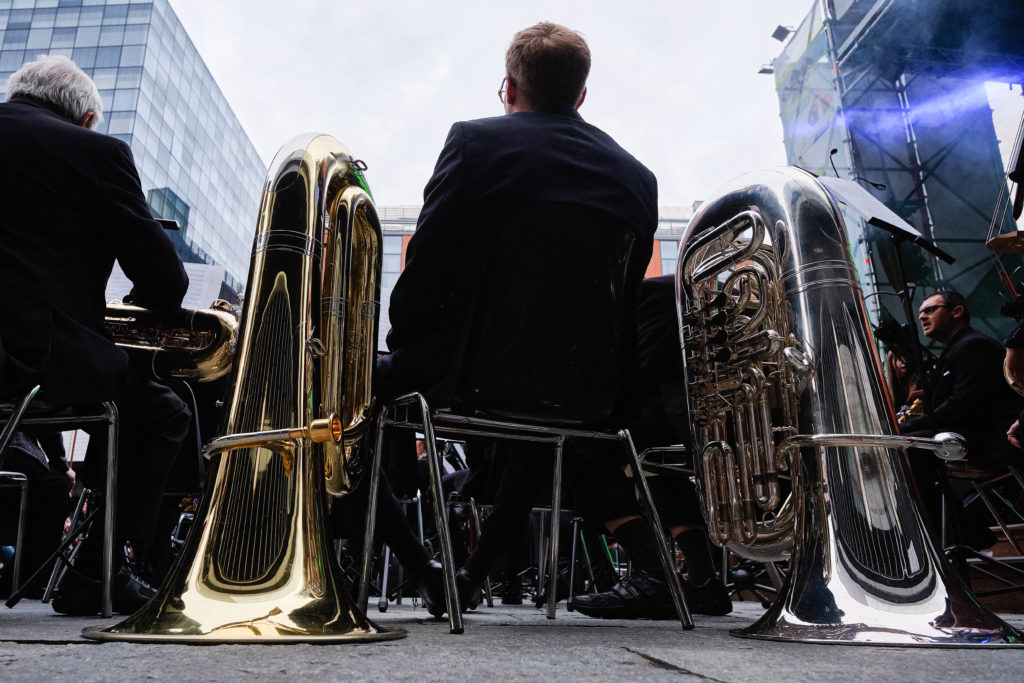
897, 88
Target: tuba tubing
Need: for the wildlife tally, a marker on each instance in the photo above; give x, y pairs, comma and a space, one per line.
181, 344
798, 452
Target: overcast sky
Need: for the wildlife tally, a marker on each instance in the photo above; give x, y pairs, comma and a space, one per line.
674, 81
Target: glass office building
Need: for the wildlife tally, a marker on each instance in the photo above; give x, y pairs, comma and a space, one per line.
196, 164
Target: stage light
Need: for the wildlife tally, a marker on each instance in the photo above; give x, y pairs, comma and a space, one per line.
781, 33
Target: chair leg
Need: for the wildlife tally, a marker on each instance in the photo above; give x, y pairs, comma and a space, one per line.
371, 515
572, 564
556, 515
588, 563
106, 603
997, 517
474, 512
651, 513
19, 543
441, 521
382, 602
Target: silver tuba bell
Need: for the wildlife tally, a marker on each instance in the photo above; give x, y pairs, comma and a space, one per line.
795, 441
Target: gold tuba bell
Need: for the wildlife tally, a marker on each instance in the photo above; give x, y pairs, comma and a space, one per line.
258, 565
795, 441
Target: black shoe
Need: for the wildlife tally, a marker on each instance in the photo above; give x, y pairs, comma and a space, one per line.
642, 595
430, 586
710, 597
80, 597
512, 592
470, 593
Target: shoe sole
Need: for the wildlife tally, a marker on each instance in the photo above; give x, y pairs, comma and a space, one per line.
660, 613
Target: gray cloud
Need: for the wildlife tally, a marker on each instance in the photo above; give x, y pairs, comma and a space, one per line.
675, 82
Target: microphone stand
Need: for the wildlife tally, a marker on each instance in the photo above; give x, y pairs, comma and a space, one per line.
909, 327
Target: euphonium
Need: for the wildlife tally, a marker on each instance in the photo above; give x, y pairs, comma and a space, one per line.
182, 344
258, 564
795, 440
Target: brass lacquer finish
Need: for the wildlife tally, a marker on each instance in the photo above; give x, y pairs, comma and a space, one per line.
351, 308
183, 344
258, 565
797, 447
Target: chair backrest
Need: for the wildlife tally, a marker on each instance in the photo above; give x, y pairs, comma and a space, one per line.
552, 336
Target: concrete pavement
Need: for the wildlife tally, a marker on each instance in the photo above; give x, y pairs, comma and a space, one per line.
510, 643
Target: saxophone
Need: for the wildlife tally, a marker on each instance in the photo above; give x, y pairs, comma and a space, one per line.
258, 564
795, 441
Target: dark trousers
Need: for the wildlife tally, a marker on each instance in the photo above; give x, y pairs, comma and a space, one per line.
154, 423
593, 473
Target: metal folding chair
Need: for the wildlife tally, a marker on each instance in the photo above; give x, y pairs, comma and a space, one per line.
19, 416
401, 413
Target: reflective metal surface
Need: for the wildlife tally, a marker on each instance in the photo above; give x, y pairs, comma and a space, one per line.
184, 344
258, 565
794, 434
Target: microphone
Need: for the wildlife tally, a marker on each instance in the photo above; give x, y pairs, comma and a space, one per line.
877, 186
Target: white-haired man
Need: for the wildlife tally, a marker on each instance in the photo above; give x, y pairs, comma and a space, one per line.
71, 204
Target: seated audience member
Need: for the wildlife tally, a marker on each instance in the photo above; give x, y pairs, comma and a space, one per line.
72, 205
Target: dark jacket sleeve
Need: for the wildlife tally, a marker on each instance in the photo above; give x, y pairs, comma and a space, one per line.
143, 249
969, 379
427, 290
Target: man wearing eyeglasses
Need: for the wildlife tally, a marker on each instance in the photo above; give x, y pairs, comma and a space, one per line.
967, 394
541, 157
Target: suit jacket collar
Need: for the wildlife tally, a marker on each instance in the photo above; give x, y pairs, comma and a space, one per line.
955, 338
560, 111
43, 104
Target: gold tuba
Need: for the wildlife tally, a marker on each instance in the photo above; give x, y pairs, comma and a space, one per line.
258, 565
795, 441
183, 344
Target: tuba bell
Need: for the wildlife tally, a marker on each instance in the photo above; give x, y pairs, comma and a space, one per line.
795, 442
258, 565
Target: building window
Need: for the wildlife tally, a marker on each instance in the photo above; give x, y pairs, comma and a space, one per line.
668, 256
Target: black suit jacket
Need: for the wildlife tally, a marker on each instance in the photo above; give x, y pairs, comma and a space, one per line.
71, 204
969, 395
490, 168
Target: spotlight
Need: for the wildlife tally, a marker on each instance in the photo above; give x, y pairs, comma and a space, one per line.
781, 33
766, 69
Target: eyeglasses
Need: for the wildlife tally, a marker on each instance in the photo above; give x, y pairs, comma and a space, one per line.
928, 310
502, 91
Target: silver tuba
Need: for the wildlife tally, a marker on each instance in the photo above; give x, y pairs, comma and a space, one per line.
259, 564
795, 441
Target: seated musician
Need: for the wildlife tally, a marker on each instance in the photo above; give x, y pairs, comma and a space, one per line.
540, 152
967, 394
663, 421
72, 205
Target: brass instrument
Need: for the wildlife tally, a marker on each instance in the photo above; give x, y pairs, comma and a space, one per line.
258, 564
795, 441
183, 344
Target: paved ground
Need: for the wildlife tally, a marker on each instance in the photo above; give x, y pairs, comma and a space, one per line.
512, 643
